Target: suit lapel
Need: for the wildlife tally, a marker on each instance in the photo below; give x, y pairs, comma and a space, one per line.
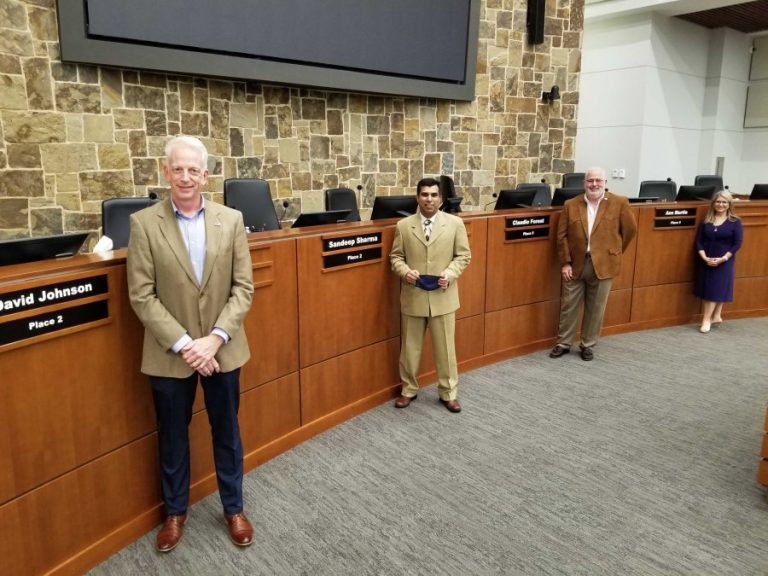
169, 228
416, 228
213, 234
601, 210
438, 227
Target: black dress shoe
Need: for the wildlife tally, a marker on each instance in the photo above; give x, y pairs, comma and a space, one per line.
587, 354
404, 401
558, 351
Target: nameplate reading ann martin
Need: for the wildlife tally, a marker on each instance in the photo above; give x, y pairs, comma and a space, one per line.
40, 296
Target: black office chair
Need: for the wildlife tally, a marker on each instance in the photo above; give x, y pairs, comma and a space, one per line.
115, 217
562, 194
573, 180
252, 197
662, 189
343, 199
543, 193
759, 192
709, 180
448, 191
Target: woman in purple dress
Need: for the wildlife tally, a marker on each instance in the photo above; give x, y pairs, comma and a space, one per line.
717, 240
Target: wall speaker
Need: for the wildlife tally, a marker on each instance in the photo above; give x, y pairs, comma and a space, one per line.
535, 21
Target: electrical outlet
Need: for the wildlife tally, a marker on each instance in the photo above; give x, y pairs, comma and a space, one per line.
622, 173
615, 172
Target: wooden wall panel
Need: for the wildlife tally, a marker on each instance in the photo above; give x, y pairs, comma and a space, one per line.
626, 277
347, 378
752, 258
360, 302
748, 294
618, 309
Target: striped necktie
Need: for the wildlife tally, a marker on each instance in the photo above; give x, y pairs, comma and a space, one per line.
427, 228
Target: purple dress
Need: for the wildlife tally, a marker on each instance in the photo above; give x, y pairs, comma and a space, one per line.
716, 283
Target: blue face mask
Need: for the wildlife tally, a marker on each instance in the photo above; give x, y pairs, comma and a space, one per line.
427, 282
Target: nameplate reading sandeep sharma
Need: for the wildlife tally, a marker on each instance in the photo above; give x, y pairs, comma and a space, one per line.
40, 296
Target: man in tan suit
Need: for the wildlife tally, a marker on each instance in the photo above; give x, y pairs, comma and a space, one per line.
429, 252
594, 230
190, 282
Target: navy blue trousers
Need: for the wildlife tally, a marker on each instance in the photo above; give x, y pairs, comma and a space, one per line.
174, 398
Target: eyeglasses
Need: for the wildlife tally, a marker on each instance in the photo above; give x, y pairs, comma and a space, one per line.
594, 181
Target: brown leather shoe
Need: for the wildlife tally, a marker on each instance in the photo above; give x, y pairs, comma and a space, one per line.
452, 405
558, 351
171, 532
404, 401
587, 354
240, 529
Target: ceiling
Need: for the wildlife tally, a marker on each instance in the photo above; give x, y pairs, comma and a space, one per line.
748, 17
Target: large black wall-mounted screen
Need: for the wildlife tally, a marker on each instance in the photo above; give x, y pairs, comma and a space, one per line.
404, 47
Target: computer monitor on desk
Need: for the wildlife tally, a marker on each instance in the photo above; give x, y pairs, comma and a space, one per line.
393, 207
452, 205
22, 250
515, 199
563, 194
644, 199
320, 218
688, 193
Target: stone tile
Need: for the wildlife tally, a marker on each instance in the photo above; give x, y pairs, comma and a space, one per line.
275, 171
153, 79
12, 15
97, 128
24, 183
105, 184
201, 99
111, 89
377, 124
285, 121
195, 124
24, 156
145, 171
219, 119
42, 24
276, 95
78, 98
301, 181
143, 97
156, 123
312, 109
319, 147
39, 83
34, 126
335, 122
13, 94
137, 142
289, 151
249, 167
236, 142
10, 64
88, 74
71, 157
69, 202
81, 221
14, 212
47, 221
67, 183
15, 42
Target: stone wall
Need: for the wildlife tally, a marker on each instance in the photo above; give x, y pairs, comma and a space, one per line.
73, 135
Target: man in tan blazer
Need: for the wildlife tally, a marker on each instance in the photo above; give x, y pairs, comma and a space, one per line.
594, 230
190, 282
430, 250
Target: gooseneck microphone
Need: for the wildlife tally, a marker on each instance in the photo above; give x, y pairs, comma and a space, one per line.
285, 209
495, 195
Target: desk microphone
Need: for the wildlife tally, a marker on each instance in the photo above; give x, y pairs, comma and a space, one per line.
285, 209
494, 195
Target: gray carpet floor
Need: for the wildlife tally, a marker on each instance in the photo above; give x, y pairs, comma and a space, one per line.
641, 462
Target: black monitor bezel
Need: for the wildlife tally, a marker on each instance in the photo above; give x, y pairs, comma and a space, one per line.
510, 199
386, 207
693, 193
38, 248
324, 218
562, 195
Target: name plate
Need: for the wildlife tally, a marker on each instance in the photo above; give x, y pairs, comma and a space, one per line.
527, 221
25, 328
526, 234
668, 212
335, 260
675, 223
21, 300
346, 242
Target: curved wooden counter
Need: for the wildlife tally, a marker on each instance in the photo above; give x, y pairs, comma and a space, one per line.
77, 430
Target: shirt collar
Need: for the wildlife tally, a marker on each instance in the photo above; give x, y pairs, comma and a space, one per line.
180, 214
432, 220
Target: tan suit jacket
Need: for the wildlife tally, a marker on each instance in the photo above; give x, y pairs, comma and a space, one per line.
614, 229
166, 297
447, 249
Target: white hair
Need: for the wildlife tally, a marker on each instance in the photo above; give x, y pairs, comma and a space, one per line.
596, 169
186, 142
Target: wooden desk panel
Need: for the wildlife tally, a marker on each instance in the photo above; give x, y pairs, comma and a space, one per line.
618, 309
272, 322
335, 383
58, 395
665, 255
515, 328
752, 258
749, 294
345, 308
472, 281
664, 303
522, 271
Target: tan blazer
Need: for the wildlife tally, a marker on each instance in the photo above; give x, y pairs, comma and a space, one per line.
614, 229
164, 293
447, 249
